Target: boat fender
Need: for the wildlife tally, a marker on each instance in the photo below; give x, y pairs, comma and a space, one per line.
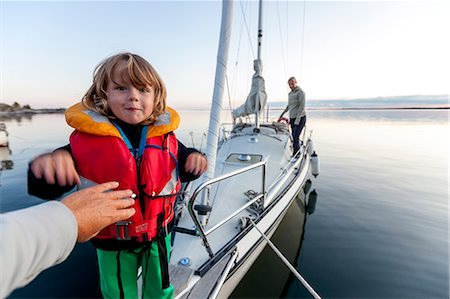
314, 164
310, 148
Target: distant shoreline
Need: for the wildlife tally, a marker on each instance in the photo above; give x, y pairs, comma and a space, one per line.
381, 108
31, 112
27, 113
271, 108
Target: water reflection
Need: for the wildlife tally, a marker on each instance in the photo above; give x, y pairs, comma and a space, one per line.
17, 117
309, 206
395, 115
382, 215
288, 239
312, 200
5, 162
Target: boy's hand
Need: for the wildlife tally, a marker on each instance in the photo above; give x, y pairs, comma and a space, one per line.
196, 164
59, 165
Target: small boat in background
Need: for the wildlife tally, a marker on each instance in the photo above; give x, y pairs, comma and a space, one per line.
5, 162
3, 135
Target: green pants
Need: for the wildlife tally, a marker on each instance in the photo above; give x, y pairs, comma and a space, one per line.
118, 272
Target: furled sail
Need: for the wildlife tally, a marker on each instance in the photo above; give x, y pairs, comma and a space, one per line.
257, 98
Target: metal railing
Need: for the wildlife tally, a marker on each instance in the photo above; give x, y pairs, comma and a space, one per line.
205, 184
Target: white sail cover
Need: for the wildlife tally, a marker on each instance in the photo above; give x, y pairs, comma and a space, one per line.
257, 98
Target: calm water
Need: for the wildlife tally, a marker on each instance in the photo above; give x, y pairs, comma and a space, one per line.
380, 224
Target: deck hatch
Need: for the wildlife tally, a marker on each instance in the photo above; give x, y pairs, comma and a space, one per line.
243, 158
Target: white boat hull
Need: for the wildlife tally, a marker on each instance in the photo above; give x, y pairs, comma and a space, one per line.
246, 262
283, 179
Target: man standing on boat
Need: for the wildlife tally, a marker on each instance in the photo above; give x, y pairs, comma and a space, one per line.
297, 115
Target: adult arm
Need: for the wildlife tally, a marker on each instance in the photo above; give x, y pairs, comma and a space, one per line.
36, 238
301, 106
284, 111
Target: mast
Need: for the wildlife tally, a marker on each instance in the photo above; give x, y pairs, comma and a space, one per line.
219, 87
260, 30
260, 35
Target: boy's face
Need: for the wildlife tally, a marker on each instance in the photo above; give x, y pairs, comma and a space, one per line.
128, 103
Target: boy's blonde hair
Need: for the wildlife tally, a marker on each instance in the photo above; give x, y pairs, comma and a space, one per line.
140, 72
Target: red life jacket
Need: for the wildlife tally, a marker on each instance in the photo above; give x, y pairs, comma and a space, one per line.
102, 159
151, 174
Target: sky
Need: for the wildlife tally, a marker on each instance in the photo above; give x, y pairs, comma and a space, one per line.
336, 49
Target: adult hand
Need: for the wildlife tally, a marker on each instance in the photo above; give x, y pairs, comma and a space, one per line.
196, 164
58, 164
95, 208
283, 120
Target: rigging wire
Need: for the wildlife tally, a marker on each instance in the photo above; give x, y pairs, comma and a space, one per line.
302, 41
228, 92
284, 43
287, 32
281, 41
251, 56
233, 77
294, 271
244, 24
248, 32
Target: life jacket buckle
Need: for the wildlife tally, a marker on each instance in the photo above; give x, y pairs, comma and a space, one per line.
122, 231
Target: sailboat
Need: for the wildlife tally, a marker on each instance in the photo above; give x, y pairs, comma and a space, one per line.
223, 222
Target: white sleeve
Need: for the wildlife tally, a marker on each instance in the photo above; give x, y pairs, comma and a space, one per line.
32, 240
